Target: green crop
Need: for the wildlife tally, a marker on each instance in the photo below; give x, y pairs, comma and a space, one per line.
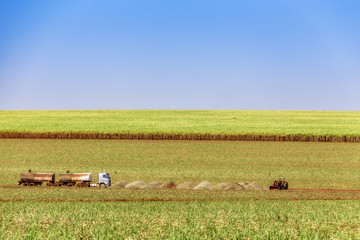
175, 124
179, 220
306, 165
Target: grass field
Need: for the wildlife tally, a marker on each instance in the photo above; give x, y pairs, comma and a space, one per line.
189, 124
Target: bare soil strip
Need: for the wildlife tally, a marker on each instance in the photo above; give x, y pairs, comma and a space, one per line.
324, 190
290, 189
164, 136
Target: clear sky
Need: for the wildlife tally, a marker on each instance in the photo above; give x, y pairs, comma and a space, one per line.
134, 54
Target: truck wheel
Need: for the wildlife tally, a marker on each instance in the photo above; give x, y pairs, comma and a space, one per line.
102, 185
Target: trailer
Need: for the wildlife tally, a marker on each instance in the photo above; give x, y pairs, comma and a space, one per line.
36, 179
65, 179
72, 179
83, 180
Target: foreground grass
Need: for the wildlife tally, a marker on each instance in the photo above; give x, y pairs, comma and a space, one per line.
178, 220
71, 194
306, 165
191, 122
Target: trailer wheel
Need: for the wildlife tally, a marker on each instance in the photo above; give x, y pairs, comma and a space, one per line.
102, 185
25, 184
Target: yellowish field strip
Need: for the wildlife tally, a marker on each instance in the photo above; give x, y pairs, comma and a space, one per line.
186, 125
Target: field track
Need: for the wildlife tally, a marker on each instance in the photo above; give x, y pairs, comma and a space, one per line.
165, 136
290, 189
324, 190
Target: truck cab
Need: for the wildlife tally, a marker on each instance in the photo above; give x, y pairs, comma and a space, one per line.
104, 180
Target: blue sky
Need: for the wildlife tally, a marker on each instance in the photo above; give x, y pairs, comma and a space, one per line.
291, 55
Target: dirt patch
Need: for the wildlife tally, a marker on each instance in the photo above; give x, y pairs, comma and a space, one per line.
168, 185
228, 186
235, 186
252, 186
136, 185
221, 186
186, 186
323, 190
204, 186
152, 185
120, 184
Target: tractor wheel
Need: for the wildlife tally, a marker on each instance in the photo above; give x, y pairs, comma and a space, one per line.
102, 185
286, 185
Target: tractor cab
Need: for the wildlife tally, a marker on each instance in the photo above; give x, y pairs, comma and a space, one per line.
280, 184
104, 180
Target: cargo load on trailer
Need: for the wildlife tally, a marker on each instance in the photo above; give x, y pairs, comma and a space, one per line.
72, 179
36, 179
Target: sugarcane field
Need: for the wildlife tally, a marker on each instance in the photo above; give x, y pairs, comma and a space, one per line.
217, 186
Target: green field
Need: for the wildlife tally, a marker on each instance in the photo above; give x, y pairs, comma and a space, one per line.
94, 213
183, 124
181, 220
306, 165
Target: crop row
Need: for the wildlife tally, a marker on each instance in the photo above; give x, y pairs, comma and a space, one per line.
178, 136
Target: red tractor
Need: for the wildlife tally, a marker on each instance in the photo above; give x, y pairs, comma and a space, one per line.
280, 184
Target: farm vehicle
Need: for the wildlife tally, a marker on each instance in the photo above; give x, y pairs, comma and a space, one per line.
65, 179
280, 184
